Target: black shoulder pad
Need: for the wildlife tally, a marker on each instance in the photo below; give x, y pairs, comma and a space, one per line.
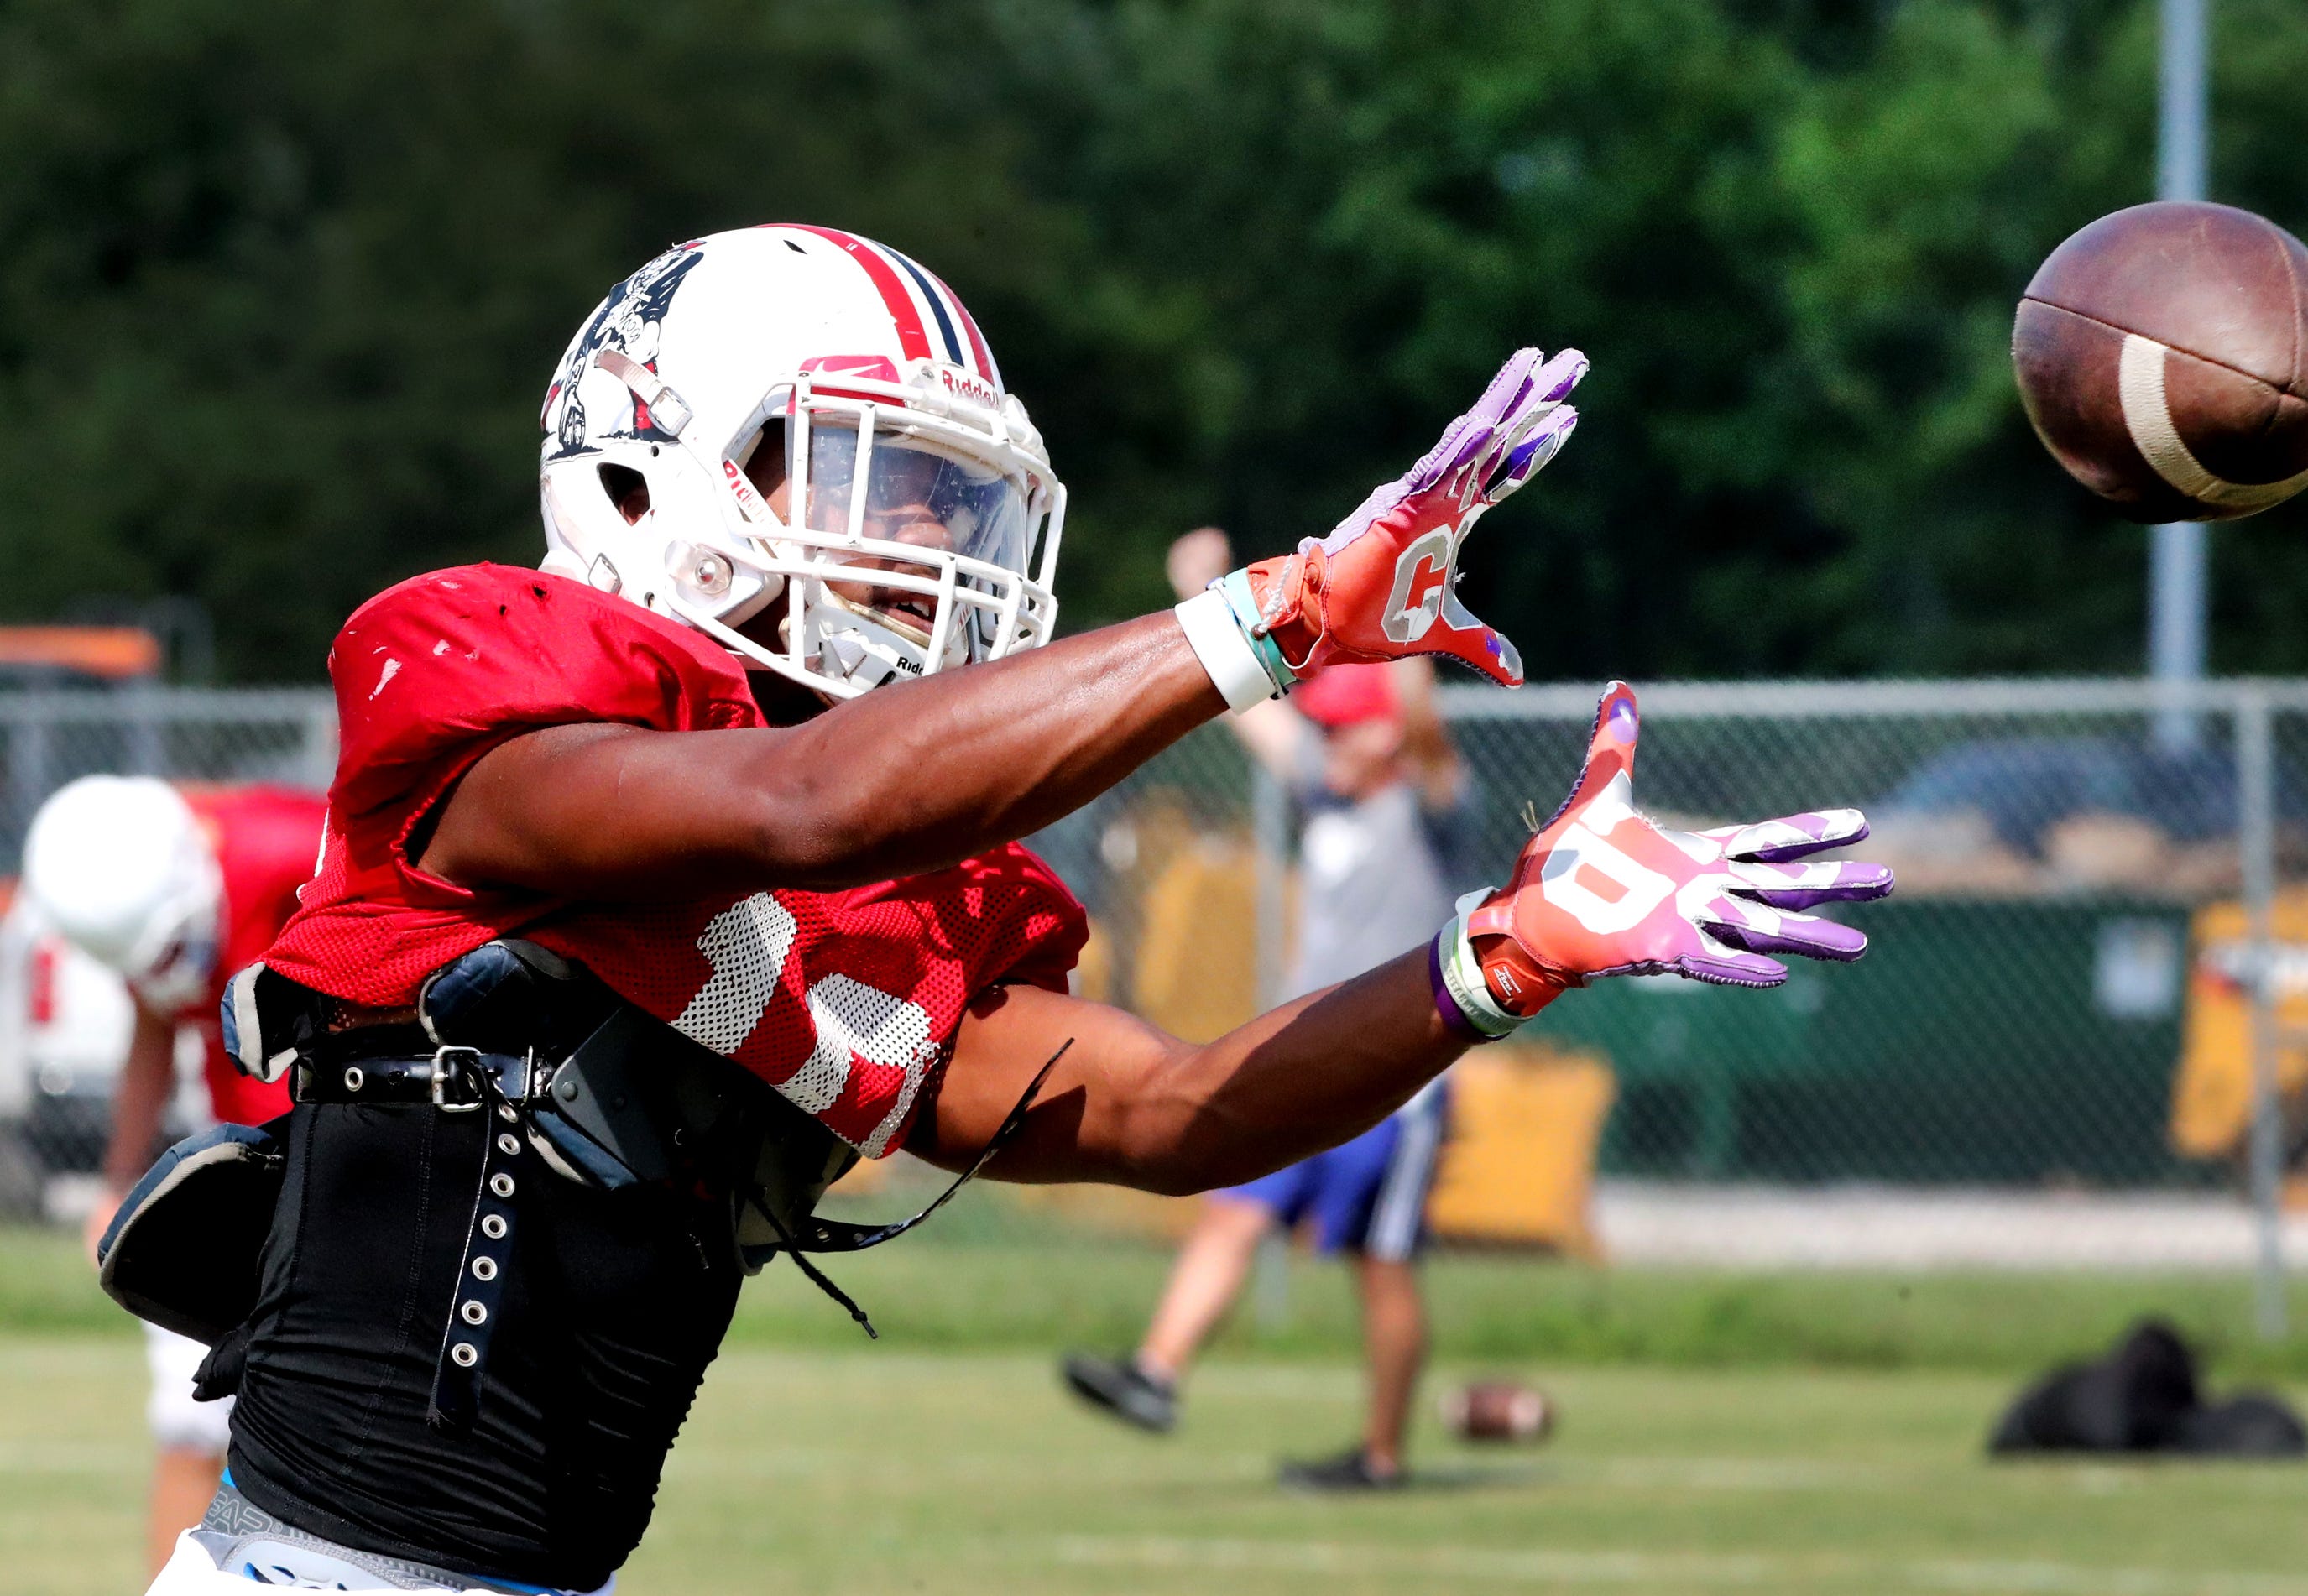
182, 1252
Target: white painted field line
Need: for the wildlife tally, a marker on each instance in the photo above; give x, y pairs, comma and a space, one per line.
1681, 1569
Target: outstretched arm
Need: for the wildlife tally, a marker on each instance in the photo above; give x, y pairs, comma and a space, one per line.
918, 775
1132, 1106
1599, 891
903, 779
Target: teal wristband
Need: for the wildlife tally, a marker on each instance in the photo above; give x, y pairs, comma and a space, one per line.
1236, 586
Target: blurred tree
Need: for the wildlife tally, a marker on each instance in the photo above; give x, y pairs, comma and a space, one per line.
287, 280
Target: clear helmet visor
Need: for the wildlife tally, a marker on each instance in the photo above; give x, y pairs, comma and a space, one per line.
917, 494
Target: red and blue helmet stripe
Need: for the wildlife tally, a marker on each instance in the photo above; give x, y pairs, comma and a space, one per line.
920, 305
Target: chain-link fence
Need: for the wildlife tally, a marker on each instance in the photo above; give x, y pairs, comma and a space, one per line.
2063, 1001
2051, 1048
64, 1021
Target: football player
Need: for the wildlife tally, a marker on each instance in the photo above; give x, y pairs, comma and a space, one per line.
172, 889
1388, 828
739, 777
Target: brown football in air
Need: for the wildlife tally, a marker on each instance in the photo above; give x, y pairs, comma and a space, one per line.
1498, 1410
2162, 354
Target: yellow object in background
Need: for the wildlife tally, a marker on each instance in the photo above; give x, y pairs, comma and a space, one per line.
1196, 974
2211, 1096
1526, 1120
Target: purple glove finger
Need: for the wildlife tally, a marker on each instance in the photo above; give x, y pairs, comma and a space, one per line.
1730, 968
1530, 456
1510, 412
1772, 842
1758, 928
1806, 886
1538, 399
1556, 379
1473, 431
1510, 388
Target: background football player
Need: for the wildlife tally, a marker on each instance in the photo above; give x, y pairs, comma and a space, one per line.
720, 766
172, 889
1388, 830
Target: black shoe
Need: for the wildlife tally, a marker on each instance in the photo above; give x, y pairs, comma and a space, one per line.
1350, 1470
1117, 1386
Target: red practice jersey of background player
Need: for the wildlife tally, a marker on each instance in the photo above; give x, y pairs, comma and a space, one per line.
842, 1001
265, 839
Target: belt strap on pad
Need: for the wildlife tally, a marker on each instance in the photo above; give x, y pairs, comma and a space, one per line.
454, 1080
488, 1241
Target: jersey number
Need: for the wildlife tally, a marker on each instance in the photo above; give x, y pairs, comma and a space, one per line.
748, 944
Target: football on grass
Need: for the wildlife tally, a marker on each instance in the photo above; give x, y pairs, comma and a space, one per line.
1498, 1410
2162, 354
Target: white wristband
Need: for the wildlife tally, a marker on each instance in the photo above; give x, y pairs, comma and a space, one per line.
1226, 654
1462, 976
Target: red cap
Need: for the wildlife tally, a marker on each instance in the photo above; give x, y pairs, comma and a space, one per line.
1346, 695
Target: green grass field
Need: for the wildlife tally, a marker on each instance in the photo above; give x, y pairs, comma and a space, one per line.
1814, 1434
882, 1470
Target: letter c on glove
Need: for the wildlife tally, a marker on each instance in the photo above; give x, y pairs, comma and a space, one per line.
1422, 580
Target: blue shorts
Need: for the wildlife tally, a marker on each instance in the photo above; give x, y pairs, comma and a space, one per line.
1367, 1196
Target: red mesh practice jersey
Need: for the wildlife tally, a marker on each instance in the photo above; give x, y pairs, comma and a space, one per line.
842, 1001
266, 840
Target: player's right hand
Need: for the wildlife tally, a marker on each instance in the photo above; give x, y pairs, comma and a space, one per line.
1600, 890
1383, 584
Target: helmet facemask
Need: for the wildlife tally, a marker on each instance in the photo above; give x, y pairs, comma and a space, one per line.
904, 519
944, 558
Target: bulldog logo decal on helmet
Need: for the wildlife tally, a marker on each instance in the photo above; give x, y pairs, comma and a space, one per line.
628, 322
795, 440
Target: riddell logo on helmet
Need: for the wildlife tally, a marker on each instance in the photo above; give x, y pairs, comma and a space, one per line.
968, 385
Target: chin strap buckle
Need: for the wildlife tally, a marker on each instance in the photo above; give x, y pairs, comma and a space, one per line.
662, 405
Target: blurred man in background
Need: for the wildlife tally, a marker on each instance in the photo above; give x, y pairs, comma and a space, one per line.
1388, 825
172, 889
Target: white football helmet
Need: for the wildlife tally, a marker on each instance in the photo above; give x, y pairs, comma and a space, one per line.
121, 867
862, 368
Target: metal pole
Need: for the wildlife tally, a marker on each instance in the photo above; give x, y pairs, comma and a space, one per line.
2256, 784
2176, 624
32, 773
2176, 588
141, 749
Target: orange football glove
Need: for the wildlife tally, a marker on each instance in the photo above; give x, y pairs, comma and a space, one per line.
1383, 584
1602, 891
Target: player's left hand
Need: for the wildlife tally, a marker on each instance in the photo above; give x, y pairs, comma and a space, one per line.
1383, 585
1600, 890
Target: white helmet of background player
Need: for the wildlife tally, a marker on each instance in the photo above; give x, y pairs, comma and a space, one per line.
861, 367
120, 866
